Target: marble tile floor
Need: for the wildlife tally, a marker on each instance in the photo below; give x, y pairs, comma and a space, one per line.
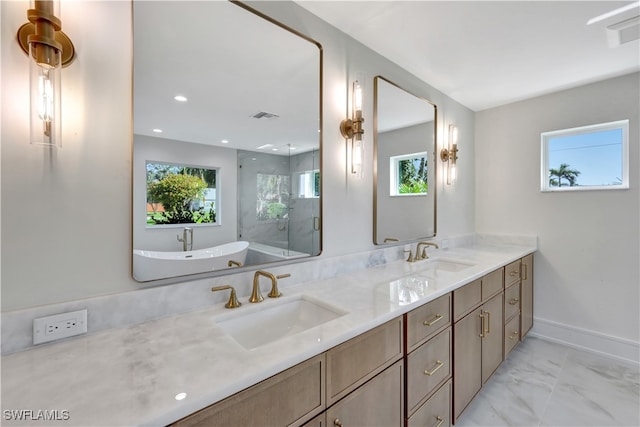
542, 383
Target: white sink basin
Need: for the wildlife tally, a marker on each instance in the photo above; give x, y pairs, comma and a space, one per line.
267, 323
444, 265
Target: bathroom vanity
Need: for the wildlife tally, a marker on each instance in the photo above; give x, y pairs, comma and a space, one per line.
395, 352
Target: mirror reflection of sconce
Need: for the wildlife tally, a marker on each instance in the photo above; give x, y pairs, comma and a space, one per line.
450, 155
49, 49
351, 128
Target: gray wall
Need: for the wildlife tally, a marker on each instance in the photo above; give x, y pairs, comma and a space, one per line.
586, 272
55, 248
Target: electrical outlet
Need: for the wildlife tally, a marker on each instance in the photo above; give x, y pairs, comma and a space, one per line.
59, 326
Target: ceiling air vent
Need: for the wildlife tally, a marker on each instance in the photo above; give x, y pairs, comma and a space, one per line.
622, 25
264, 115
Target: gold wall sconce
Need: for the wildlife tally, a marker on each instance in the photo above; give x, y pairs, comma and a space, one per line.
351, 128
49, 49
450, 155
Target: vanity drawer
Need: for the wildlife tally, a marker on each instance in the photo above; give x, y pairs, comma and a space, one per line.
512, 273
511, 335
425, 321
352, 363
300, 397
511, 301
427, 368
466, 298
436, 411
492, 284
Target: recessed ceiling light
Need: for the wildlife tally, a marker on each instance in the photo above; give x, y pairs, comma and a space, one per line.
181, 396
265, 146
274, 149
225, 141
157, 130
180, 98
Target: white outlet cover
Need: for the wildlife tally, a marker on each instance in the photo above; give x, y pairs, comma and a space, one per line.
59, 326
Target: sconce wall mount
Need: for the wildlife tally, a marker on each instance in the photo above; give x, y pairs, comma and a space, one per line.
45, 29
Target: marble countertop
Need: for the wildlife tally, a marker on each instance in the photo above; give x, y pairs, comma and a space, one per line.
132, 375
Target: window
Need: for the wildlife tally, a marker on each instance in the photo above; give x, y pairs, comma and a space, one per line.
273, 197
180, 194
308, 185
408, 175
586, 158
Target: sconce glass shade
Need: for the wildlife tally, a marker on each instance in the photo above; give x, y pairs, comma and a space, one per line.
44, 80
357, 157
351, 128
450, 156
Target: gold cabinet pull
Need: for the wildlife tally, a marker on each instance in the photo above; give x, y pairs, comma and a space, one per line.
481, 325
440, 421
337, 422
488, 330
515, 335
439, 365
525, 270
514, 273
514, 301
434, 321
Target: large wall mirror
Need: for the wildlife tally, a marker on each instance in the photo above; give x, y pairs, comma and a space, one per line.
227, 139
404, 165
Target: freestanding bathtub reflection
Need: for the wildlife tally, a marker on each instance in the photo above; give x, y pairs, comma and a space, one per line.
153, 265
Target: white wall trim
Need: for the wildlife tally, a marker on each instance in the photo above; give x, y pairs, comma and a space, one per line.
583, 339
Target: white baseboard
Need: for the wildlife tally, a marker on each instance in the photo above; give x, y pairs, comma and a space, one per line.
584, 339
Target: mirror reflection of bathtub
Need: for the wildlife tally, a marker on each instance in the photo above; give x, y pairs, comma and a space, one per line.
153, 265
260, 253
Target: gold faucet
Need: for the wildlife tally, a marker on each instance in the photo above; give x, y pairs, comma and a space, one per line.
233, 300
231, 263
256, 295
423, 254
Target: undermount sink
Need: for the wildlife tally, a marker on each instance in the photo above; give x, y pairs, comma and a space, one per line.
445, 265
271, 322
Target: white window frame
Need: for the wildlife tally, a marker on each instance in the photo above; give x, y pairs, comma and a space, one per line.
394, 166
545, 137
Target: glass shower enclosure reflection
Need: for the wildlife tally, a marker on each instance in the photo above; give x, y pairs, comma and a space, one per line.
279, 204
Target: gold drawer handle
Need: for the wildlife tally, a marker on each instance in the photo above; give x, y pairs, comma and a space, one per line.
525, 270
515, 335
337, 422
514, 273
439, 365
481, 325
440, 421
436, 319
514, 301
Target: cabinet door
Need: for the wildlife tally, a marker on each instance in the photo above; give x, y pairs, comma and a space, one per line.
378, 402
467, 360
526, 296
289, 398
492, 341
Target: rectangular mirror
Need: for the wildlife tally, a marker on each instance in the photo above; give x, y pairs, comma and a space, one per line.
404, 165
227, 140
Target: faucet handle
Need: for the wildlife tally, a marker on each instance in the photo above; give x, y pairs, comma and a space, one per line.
410, 257
275, 293
233, 299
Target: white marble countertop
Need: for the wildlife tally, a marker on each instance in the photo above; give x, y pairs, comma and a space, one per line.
131, 376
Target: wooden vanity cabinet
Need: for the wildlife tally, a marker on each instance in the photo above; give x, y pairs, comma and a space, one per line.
478, 312
377, 403
526, 295
289, 398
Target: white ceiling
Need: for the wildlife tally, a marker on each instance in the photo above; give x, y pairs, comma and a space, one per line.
489, 53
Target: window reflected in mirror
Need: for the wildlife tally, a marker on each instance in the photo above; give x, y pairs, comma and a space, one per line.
180, 194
